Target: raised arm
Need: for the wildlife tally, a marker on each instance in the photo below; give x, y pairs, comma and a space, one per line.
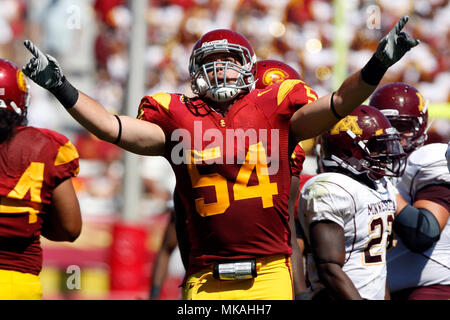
131, 134
322, 114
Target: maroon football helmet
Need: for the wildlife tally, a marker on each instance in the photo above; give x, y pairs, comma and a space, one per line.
273, 71
363, 142
407, 111
14, 89
222, 41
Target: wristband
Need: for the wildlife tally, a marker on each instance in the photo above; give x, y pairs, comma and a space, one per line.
155, 292
333, 108
66, 94
373, 71
119, 135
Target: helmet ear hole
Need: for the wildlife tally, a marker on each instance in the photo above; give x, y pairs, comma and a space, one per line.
348, 153
202, 85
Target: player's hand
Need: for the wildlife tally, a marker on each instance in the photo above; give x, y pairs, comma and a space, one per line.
42, 68
395, 44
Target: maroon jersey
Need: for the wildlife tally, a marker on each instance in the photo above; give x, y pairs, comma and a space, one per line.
297, 159
232, 171
32, 164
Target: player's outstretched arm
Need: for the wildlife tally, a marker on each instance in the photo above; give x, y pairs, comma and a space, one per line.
132, 134
323, 113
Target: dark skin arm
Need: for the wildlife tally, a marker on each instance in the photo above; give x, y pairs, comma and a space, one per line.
328, 247
169, 243
63, 221
297, 252
387, 295
180, 227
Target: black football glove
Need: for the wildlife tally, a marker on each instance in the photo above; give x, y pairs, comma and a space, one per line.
43, 68
395, 44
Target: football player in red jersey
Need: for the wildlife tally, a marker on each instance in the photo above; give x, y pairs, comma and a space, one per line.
229, 149
36, 193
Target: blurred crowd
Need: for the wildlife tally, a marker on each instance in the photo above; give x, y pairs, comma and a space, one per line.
90, 39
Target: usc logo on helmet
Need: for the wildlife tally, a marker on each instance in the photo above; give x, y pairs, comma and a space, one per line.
348, 123
274, 75
21, 82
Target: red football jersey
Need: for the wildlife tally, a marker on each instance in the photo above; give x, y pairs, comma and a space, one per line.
297, 159
32, 164
232, 171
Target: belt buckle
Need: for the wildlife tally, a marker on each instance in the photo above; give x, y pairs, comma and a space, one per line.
235, 269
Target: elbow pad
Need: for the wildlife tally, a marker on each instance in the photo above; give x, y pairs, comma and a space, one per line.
418, 228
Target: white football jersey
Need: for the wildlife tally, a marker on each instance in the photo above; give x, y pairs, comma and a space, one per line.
365, 214
406, 269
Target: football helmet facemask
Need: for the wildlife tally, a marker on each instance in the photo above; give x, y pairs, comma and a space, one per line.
222, 41
363, 142
407, 111
14, 89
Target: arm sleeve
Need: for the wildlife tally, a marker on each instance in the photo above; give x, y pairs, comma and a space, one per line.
439, 193
327, 201
294, 94
296, 160
156, 109
66, 161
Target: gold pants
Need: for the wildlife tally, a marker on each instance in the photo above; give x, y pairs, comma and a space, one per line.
19, 286
273, 282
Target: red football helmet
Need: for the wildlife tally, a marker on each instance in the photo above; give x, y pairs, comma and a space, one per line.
14, 89
222, 41
407, 111
363, 142
273, 71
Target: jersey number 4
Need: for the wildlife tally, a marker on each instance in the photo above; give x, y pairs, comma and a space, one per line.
256, 159
30, 181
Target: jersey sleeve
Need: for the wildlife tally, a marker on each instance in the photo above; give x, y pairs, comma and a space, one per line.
438, 193
293, 94
65, 161
284, 98
297, 159
426, 166
156, 109
327, 201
